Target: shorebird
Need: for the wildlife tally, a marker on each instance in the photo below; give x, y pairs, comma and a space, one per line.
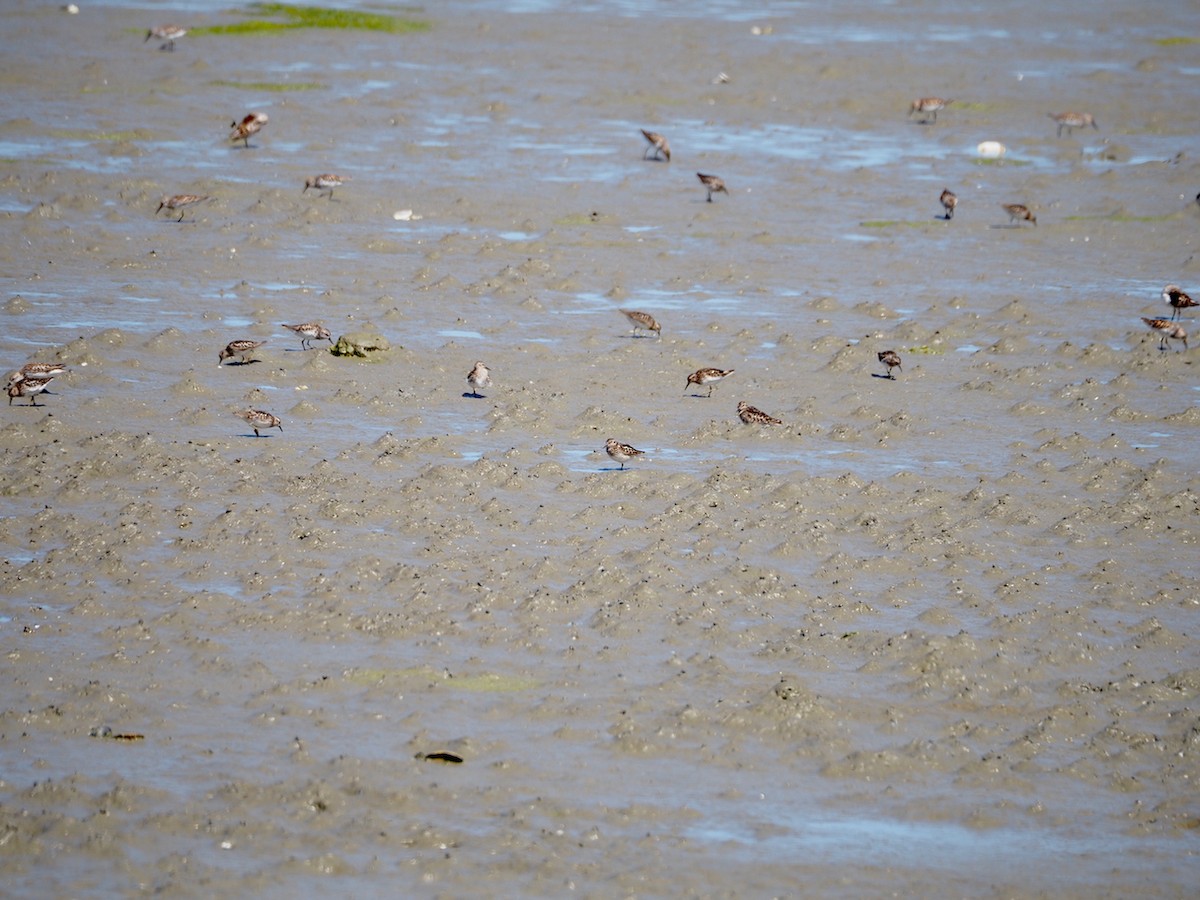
251, 124
1167, 330
752, 415
309, 332
949, 201
1177, 300
36, 370
257, 418
244, 348
28, 386
622, 453
1073, 120
702, 377
642, 321
168, 33
326, 182
658, 144
714, 184
179, 202
479, 377
928, 105
890, 358
1019, 212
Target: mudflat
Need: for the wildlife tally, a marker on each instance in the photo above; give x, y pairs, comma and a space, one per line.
934, 634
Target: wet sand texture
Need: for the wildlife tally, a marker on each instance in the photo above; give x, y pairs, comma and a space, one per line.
932, 636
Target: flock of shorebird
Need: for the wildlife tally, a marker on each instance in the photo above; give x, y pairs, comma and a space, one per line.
706, 377
33, 378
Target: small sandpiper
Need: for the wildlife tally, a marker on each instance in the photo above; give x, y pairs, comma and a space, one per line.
28, 386
1167, 330
326, 182
642, 321
928, 105
702, 377
890, 359
1073, 120
250, 125
752, 415
179, 202
244, 348
168, 33
622, 453
949, 202
658, 144
36, 370
309, 332
713, 183
1175, 298
1018, 213
257, 418
478, 378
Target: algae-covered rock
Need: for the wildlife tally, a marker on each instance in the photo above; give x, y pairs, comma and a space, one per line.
362, 344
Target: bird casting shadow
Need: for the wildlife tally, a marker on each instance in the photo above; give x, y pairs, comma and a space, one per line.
474, 395
884, 377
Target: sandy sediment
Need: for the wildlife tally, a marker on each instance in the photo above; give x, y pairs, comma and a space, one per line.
933, 631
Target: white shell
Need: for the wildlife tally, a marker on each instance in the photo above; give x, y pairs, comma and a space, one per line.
991, 149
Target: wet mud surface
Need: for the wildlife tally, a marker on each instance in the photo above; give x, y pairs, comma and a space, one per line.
933, 635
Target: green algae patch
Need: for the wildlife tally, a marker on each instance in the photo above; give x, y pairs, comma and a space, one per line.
1176, 41
490, 683
287, 16
276, 87
925, 350
136, 134
486, 683
999, 161
361, 344
894, 223
1121, 217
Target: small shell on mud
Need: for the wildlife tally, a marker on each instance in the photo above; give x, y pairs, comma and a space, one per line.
991, 149
405, 215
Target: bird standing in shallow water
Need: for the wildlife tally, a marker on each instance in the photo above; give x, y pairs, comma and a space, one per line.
168, 33
702, 377
1073, 120
642, 321
1175, 298
28, 386
244, 348
1167, 330
179, 202
658, 144
928, 105
622, 453
478, 378
36, 370
309, 332
890, 358
1019, 212
949, 201
250, 125
326, 182
713, 183
257, 418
